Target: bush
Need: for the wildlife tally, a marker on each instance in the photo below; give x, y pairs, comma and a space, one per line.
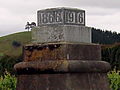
15, 43
7, 63
8, 82
114, 80
112, 55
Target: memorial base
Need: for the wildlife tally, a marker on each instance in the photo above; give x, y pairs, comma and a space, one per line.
62, 51
62, 66
63, 75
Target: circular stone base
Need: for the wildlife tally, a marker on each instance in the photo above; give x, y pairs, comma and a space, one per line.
62, 66
62, 75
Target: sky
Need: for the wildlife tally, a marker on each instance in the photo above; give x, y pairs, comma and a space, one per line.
101, 14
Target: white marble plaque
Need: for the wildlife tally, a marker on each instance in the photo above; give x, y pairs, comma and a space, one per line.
61, 16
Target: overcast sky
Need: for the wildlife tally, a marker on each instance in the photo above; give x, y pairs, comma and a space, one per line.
14, 14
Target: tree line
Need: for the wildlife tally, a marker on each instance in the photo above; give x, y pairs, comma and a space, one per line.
105, 37
110, 43
7, 62
111, 54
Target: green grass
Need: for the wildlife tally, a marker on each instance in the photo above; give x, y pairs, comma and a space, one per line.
6, 46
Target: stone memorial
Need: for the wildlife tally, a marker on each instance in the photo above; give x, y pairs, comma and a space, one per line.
61, 24
61, 56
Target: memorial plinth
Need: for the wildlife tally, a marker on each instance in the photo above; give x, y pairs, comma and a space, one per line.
62, 75
61, 56
61, 33
62, 51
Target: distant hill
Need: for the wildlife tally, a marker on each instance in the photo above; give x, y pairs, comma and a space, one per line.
12, 44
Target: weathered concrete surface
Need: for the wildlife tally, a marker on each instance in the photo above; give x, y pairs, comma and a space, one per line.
62, 51
62, 66
61, 33
65, 81
63, 75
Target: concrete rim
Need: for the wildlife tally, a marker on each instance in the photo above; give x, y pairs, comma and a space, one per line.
62, 66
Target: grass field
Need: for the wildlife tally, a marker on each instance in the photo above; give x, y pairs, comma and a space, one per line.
6, 43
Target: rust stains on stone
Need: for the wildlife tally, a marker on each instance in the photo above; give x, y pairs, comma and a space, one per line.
42, 52
61, 51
